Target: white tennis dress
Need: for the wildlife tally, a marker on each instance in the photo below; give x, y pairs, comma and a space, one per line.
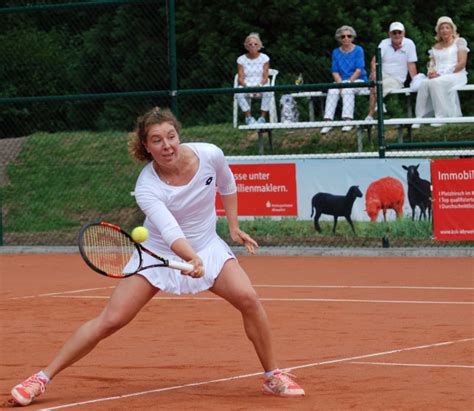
186, 211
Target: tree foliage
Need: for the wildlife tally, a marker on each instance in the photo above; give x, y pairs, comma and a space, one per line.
125, 48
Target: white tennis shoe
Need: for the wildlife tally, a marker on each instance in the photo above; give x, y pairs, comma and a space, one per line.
281, 384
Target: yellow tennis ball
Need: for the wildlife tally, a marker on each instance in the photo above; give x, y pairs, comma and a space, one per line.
139, 234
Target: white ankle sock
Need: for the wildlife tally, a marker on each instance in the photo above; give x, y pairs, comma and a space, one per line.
43, 375
269, 374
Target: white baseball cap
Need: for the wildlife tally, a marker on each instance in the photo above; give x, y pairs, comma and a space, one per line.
396, 25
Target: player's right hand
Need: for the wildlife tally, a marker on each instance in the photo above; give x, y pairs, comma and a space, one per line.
198, 270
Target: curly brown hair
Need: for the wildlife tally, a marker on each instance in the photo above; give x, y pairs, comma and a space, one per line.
137, 139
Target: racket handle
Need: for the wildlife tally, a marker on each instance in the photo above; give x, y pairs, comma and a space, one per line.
181, 266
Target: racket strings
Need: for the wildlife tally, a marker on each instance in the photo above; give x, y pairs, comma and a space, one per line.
108, 249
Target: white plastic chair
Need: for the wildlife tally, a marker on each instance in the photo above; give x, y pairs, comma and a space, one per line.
272, 73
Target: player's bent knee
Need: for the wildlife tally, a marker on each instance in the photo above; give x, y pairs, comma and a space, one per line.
249, 302
109, 324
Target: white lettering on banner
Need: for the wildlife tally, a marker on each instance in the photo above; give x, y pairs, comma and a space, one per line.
251, 176
267, 188
456, 206
463, 175
457, 231
278, 208
452, 193
259, 176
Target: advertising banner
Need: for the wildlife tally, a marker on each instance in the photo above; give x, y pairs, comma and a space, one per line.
264, 190
453, 199
286, 186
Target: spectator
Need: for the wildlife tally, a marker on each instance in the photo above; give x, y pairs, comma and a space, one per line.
347, 66
446, 71
252, 69
398, 59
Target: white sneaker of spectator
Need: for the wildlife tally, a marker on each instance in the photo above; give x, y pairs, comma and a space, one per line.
346, 128
261, 120
416, 125
437, 124
326, 130
369, 118
250, 120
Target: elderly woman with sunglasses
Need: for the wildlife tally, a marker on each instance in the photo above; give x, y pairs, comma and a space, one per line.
446, 71
348, 65
253, 71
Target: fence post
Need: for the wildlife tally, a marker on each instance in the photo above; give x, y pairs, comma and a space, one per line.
379, 88
172, 56
1, 220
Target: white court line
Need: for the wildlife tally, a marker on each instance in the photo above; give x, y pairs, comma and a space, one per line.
399, 287
412, 365
238, 377
60, 293
325, 300
388, 287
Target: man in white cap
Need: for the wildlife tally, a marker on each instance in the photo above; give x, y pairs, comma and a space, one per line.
398, 59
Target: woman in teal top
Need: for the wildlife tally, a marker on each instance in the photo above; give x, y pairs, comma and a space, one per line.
348, 65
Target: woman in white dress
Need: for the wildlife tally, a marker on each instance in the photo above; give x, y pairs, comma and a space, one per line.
176, 190
437, 95
253, 69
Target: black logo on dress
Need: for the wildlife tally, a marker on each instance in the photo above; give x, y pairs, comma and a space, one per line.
209, 180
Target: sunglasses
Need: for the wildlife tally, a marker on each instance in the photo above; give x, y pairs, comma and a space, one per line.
343, 36
397, 32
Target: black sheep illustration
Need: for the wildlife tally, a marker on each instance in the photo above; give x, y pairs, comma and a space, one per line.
335, 205
419, 192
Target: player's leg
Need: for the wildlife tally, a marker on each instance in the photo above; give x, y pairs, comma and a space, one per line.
128, 298
234, 286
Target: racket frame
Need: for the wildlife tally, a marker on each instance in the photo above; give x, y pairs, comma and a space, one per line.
182, 266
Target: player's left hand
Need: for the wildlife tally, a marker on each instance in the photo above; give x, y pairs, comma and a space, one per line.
198, 270
243, 238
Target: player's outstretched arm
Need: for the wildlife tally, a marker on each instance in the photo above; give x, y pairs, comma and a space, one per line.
183, 249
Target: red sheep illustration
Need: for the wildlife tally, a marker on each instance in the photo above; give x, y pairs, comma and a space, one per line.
384, 194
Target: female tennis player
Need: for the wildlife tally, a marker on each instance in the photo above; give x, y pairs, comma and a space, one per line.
176, 190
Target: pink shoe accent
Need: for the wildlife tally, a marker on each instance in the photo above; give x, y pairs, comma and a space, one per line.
25, 392
282, 385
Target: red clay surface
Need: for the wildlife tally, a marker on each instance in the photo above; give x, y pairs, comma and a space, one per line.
361, 333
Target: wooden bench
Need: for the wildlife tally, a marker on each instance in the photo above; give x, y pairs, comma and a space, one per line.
360, 124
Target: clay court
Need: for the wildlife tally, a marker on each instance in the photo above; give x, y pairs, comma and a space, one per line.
360, 333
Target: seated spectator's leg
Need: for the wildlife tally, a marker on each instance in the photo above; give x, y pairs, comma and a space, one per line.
389, 84
348, 101
265, 105
243, 103
424, 106
331, 103
372, 101
444, 97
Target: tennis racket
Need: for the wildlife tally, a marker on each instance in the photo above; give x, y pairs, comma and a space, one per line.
111, 251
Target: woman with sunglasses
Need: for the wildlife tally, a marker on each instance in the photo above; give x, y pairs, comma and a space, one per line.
253, 70
348, 65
